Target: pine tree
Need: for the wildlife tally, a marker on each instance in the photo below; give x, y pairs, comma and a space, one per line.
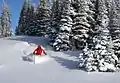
30, 28
30, 16
108, 5
17, 31
117, 3
115, 29
101, 57
42, 20
0, 27
82, 24
45, 17
62, 41
55, 20
24, 18
5, 20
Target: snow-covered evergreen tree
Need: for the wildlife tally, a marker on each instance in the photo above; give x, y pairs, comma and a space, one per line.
108, 5
115, 29
5, 20
30, 28
24, 18
62, 41
117, 3
55, 20
45, 12
0, 27
17, 31
30, 16
42, 20
82, 24
101, 57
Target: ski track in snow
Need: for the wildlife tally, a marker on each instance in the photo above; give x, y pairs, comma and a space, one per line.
60, 69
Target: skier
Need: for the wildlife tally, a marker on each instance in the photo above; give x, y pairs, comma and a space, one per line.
39, 51
36, 56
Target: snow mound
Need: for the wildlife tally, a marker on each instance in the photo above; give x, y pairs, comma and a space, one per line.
28, 50
33, 59
33, 44
21, 46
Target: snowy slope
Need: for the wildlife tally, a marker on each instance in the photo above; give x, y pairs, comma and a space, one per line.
61, 68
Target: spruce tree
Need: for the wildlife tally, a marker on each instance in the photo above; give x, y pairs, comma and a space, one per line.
0, 27
5, 20
31, 25
83, 23
45, 12
30, 16
17, 31
108, 5
55, 20
62, 41
42, 20
115, 29
101, 57
24, 17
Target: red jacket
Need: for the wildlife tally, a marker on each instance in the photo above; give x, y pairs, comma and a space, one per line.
39, 51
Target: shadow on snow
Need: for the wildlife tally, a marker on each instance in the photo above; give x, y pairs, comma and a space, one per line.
73, 53
70, 64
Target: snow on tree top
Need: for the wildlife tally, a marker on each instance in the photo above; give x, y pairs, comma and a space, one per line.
63, 28
63, 20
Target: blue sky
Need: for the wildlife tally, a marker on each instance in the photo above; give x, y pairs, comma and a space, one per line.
15, 8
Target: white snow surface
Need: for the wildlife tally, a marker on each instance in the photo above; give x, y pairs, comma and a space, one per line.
41, 59
61, 68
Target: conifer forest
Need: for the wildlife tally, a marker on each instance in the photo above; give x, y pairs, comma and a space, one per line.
89, 26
